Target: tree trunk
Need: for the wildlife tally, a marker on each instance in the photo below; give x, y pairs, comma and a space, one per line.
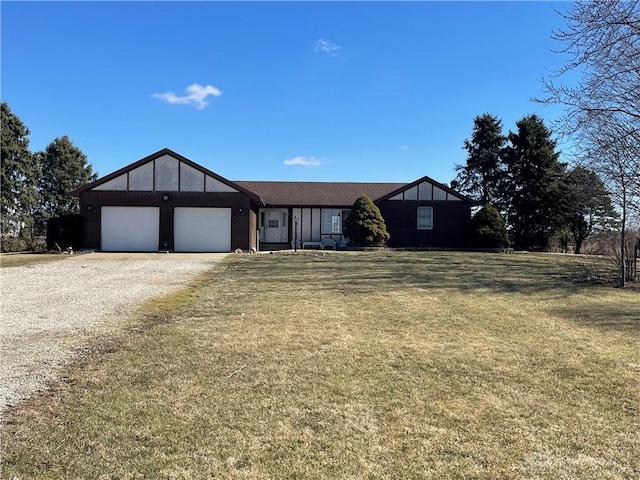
578, 246
623, 256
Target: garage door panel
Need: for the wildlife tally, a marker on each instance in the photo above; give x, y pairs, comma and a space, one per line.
130, 229
199, 229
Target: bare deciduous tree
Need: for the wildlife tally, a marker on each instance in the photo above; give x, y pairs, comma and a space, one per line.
602, 41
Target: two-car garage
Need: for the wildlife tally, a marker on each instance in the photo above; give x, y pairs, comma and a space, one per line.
137, 229
166, 202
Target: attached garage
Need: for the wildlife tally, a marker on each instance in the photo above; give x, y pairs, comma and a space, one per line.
130, 229
166, 202
200, 229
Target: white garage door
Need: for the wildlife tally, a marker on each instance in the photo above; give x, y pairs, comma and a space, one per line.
201, 229
130, 229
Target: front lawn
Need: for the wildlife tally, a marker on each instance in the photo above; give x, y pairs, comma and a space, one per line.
27, 259
355, 365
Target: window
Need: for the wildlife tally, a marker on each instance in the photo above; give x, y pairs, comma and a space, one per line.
425, 218
331, 220
273, 219
336, 224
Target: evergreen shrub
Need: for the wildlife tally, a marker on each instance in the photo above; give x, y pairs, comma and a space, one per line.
488, 229
365, 226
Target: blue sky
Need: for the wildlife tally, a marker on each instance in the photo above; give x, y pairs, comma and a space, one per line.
324, 91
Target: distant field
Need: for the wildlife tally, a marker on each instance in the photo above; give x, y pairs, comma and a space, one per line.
24, 259
355, 365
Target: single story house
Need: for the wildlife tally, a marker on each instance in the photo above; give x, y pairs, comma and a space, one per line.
168, 202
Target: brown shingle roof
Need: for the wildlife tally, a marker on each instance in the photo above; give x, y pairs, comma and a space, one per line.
342, 194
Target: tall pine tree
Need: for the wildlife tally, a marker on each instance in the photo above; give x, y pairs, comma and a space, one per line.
480, 177
19, 175
64, 169
534, 177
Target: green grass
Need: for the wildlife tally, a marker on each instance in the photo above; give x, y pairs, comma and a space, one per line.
27, 259
367, 365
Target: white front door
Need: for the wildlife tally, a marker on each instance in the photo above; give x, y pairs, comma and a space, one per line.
275, 226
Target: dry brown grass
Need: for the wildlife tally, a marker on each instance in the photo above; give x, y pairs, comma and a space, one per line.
368, 365
26, 259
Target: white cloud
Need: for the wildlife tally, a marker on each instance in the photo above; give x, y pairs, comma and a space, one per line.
325, 46
196, 95
404, 147
304, 161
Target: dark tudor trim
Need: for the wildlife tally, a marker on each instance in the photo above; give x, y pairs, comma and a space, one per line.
154, 156
91, 202
451, 217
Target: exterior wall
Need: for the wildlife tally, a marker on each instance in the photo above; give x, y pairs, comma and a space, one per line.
309, 227
253, 229
450, 222
316, 215
241, 213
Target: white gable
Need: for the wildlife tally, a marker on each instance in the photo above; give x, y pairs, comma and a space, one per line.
439, 194
118, 183
141, 178
425, 191
214, 185
411, 193
191, 180
165, 174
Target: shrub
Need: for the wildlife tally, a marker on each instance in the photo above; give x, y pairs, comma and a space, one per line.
488, 229
13, 244
365, 226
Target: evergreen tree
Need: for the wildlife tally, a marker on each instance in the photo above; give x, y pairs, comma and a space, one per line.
488, 229
64, 169
19, 174
587, 204
534, 177
481, 176
365, 226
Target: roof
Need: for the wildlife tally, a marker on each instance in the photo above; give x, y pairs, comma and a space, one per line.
290, 194
317, 193
153, 156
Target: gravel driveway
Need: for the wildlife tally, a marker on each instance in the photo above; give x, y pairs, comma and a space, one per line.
49, 311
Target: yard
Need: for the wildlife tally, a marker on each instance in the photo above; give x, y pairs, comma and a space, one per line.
354, 365
23, 260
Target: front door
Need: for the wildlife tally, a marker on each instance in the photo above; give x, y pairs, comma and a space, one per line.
275, 226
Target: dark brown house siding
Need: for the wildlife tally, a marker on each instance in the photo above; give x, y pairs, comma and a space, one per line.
450, 223
242, 217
